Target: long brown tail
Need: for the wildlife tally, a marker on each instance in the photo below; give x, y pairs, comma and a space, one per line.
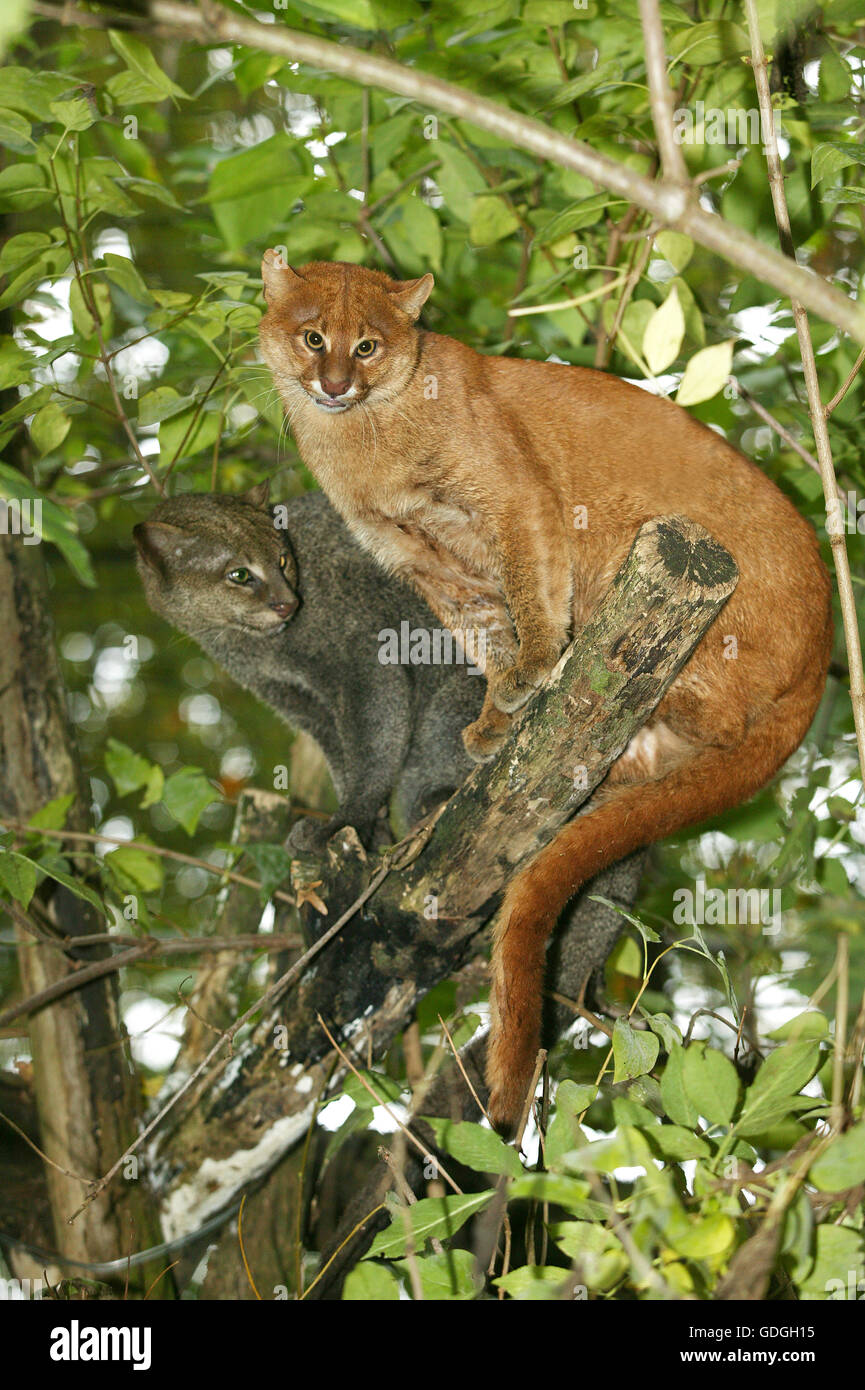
628, 817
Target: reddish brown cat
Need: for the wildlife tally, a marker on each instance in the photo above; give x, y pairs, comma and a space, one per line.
468, 476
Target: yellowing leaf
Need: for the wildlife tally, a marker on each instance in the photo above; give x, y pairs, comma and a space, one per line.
705, 374
664, 333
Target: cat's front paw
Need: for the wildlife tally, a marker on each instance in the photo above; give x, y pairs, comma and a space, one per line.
310, 836
484, 738
516, 686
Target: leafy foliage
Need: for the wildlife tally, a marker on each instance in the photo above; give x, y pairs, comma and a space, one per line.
142, 180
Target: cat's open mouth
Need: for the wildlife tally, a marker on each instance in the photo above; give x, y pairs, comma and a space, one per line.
335, 406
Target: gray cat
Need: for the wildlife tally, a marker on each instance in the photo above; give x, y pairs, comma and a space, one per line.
288, 604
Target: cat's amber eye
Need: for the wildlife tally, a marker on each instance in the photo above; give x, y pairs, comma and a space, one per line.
239, 576
283, 561
313, 340
365, 348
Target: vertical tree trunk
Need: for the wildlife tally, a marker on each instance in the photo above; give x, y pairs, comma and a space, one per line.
84, 1079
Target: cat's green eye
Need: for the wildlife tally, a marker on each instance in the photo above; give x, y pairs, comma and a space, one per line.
239, 576
313, 340
365, 348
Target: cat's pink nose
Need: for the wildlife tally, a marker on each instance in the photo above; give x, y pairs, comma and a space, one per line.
334, 388
284, 608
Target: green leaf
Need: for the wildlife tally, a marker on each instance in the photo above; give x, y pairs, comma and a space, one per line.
634, 1053
458, 180
31, 92
675, 247
15, 364
603, 75
532, 1283
838, 1264
138, 57
57, 525
564, 1132
828, 159
14, 19
20, 249
708, 43
706, 374
431, 1216
710, 1082
49, 427
183, 435
257, 188
663, 335
15, 131
677, 1143
780, 1078
162, 404
585, 212
665, 1028
74, 885
596, 1251
569, 1193
17, 876
122, 272
127, 769
187, 793
52, 816
273, 866
135, 869
23, 186
478, 1148
811, 1024
677, 1103
842, 1165
704, 1239
358, 14
452, 1275
627, 1148
76, 114
491, 219
370, 1283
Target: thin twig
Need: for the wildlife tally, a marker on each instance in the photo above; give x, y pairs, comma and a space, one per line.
834, 519
672, 159
842, 392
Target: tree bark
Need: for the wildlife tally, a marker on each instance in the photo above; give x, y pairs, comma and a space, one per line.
84, 1081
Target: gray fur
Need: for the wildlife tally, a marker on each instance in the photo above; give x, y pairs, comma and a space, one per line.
390, 733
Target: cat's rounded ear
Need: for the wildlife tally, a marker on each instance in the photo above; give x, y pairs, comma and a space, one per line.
412, 295
280, 279
157, 541
258, 496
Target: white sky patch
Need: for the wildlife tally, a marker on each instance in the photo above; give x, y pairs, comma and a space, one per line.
154, 1031
756, 324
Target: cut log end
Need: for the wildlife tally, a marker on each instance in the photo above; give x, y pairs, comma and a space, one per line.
680, 549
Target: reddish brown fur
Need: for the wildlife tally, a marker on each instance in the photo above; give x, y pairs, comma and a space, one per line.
461, 472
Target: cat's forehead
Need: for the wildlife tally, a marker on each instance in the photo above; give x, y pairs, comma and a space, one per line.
225, 524
342, 298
